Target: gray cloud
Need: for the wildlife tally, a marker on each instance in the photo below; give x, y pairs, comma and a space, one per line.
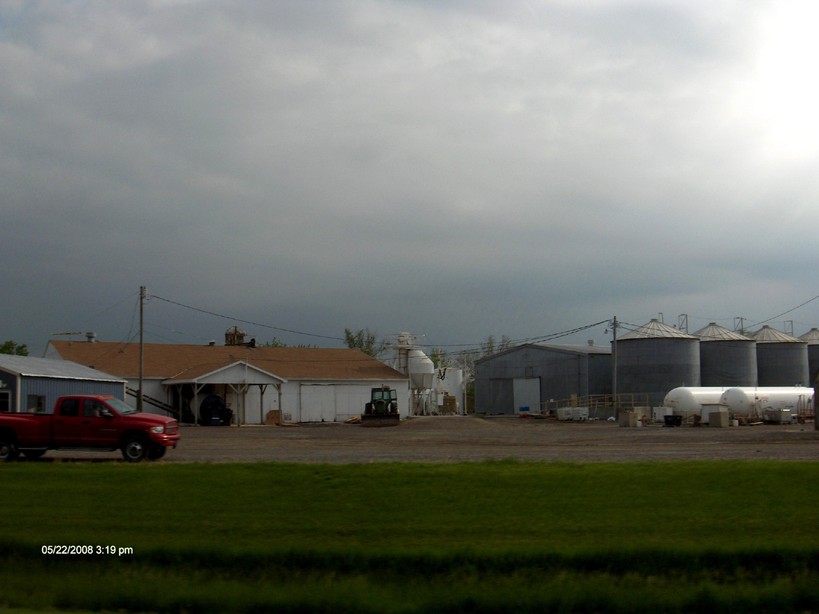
456, 169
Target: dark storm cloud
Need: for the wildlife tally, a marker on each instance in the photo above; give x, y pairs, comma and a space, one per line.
456, 169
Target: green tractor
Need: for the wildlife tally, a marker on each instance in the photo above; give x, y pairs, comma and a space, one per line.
382, 410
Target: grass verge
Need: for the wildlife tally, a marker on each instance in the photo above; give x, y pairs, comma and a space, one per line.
499, 536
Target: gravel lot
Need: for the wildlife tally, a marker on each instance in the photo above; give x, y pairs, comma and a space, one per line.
457, 438
438, 439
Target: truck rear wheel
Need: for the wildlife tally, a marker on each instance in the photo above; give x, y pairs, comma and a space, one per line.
134, 449
8, 449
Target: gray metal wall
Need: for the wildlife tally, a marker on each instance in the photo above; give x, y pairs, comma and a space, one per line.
782, 364
728, 363
562, 374
653, 366
494, 395
813, 363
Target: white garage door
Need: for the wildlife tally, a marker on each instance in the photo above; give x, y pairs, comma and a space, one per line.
318, 403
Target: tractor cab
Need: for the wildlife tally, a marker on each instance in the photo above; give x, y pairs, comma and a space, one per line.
382, 409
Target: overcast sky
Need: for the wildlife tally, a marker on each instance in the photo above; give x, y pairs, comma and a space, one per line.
451, 168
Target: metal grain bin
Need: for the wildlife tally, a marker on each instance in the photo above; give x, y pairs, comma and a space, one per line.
727, 358
655, 358
781, 360
812, 339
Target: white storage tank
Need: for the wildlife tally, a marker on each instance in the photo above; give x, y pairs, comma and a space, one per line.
753, 402
448, 386
689, 400
421, 370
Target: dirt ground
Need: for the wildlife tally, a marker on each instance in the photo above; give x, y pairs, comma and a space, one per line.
468, 438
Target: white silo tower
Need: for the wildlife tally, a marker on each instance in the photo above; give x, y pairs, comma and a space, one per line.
413, 362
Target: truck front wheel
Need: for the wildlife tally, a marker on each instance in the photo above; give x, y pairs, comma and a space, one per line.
134, 449
8, 450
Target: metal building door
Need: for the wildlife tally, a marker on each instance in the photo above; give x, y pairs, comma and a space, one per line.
318, 403
526, 393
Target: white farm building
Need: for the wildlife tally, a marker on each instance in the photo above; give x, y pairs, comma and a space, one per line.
246, 382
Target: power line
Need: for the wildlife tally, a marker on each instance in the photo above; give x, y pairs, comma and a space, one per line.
251, 322
789, 310
475, 346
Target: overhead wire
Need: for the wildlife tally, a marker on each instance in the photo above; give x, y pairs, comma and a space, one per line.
466, 348
251, 322
779, 315
472, 346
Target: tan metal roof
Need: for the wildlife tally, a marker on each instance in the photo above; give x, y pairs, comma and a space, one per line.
655, 330
766, 334
715, 332
166, 361
812, 336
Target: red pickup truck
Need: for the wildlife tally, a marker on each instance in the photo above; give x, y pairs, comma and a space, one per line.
88, 422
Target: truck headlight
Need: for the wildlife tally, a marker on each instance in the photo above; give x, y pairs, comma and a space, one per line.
157, 429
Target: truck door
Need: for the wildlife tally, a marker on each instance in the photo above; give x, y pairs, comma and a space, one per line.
99, 424
67, 424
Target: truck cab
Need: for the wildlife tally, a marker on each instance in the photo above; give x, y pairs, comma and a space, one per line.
88, 422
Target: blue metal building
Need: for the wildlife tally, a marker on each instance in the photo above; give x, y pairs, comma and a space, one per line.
29, 384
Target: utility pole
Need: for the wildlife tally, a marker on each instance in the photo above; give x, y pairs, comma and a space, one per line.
141, 344
614, 368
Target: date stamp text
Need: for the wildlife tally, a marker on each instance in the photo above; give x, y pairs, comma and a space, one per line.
86, 550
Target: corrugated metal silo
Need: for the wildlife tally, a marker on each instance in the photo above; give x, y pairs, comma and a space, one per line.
727, 358
781, 360
656, 358
812, 339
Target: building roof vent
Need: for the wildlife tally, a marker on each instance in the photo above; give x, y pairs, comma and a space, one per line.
235, 336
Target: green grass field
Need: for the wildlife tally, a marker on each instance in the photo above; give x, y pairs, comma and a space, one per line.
501, 536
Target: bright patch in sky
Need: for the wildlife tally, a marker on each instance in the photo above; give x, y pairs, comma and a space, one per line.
786, 92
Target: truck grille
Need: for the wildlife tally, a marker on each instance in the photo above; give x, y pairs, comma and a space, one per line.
172, 428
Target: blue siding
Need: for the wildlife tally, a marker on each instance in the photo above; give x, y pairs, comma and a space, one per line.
53, 388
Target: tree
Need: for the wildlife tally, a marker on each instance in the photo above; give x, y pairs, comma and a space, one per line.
364, 340
440, 358
11, 347
490, 347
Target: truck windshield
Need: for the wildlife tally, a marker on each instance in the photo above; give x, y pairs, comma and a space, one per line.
121, 407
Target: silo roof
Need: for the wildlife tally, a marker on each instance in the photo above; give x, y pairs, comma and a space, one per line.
656, 330
766, 334
715, 332
812, 336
